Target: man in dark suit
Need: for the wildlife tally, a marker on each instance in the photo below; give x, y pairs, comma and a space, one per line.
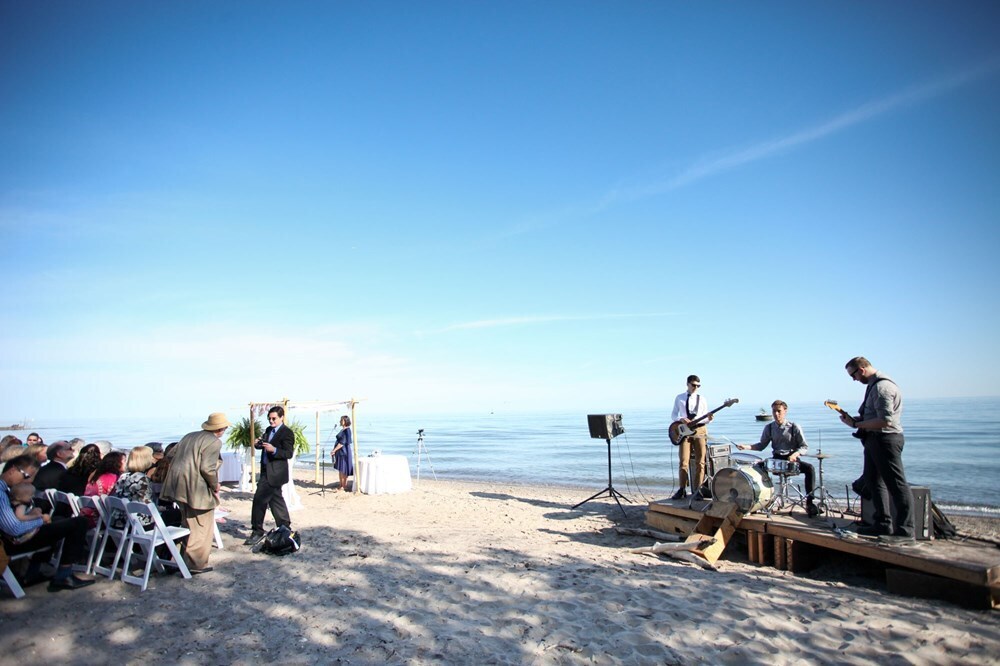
277, 446
52, 472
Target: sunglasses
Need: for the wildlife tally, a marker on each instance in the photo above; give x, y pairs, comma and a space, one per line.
273, 418
695, 385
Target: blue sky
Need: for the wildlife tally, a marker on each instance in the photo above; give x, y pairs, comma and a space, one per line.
471, 206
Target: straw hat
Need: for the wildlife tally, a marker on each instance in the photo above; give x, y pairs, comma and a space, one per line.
216, 421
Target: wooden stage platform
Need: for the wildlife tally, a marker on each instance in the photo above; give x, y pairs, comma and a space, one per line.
965, 572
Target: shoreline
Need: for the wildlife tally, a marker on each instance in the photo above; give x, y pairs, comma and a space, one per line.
461, 572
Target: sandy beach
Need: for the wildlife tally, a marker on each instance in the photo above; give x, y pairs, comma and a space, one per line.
462, 573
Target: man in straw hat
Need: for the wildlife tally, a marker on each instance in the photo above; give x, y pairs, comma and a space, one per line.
193, 482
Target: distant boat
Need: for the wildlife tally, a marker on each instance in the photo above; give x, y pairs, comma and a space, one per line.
764, 415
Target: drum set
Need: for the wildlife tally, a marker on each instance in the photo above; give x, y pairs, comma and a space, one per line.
746, 481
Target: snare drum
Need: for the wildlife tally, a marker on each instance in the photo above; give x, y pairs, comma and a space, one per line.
740, 459
782, 467
748, 487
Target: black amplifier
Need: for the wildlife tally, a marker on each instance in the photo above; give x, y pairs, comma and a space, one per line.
923, 519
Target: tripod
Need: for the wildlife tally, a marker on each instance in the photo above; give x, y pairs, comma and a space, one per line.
422, 451
610, 490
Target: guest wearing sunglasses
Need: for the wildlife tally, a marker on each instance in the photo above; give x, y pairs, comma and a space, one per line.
71, 531
277, 445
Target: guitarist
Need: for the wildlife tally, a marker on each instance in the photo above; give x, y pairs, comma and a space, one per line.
689, 406
881, 430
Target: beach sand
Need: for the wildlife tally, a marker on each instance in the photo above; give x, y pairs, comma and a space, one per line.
485, 573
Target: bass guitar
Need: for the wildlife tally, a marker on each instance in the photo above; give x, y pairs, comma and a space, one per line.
680, 431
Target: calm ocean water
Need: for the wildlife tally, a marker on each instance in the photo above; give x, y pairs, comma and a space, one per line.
952, 446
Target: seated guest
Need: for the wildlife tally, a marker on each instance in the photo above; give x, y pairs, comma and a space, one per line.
102, 481
158, 472
39, 451
76, 477
22, 498
59, 454
13, 450
71, 531
787, 443
135, 486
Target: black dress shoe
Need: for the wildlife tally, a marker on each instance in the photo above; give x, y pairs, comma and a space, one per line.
811, 509
68, 583
680, 494
253, 539
872, 530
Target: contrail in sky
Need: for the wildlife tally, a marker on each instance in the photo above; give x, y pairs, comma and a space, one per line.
711, 166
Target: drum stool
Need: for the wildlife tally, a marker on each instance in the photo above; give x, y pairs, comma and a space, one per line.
786, 495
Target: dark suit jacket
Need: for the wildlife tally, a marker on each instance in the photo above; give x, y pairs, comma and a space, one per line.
277, 466
50, 475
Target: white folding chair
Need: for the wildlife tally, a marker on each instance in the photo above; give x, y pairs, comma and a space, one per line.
117, 535
94, 534
8, 574
148, 540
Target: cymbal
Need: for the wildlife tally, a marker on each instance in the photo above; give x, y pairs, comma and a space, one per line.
821, 456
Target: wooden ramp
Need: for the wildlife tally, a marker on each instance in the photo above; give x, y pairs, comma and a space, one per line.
967, 569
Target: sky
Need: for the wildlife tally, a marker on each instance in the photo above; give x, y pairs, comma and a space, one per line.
465, 207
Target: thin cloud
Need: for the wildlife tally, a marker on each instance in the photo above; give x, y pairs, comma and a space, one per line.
543, 319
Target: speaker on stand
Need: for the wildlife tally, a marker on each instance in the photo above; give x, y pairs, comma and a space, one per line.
606, 427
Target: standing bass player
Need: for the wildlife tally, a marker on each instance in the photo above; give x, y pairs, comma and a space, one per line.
688, 407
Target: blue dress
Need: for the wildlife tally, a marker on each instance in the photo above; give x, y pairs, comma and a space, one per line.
342, 458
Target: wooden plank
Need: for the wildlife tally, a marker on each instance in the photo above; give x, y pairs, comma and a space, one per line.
924, 586
668, 523
752, 549
779, 553
765, 545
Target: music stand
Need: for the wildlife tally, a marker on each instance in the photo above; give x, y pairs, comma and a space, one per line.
606, 426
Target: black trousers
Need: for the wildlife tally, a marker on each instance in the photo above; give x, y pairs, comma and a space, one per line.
268, 497
808, 471
886, 479
73, 530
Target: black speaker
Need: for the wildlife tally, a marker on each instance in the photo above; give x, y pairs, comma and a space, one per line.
923, 528
605, 426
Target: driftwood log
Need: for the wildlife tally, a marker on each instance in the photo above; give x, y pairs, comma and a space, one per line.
681, 551
652, 534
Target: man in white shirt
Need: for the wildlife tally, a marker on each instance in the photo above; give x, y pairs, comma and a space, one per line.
688, 407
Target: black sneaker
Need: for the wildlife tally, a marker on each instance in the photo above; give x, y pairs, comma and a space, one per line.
680, 494
253, 538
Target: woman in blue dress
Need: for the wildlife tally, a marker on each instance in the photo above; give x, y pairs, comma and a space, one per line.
342, 452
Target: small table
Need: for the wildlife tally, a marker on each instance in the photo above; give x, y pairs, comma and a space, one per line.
383, 474
231, 468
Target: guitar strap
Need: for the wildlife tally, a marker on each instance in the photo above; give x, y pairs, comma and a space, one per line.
868, 390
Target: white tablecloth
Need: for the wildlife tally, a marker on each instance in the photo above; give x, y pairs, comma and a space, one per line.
383, 474
232, 466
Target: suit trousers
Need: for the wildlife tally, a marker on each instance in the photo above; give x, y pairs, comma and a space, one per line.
698, 445
71, 531
201, 522
886, 479
268, 496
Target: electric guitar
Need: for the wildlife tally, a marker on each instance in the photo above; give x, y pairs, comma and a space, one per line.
680, 431
835, 406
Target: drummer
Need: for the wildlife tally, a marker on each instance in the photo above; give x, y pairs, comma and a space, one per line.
787, 443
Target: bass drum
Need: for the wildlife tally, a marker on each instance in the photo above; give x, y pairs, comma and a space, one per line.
747, 487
